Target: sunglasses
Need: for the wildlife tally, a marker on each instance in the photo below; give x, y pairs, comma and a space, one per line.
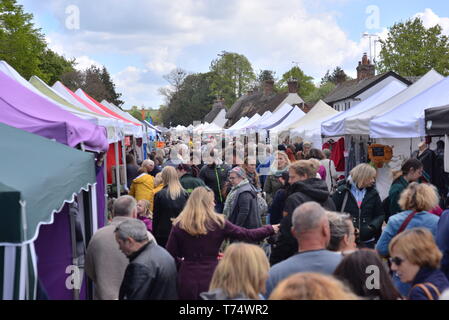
396, 260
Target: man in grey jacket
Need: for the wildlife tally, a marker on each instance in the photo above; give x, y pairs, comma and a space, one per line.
105, 264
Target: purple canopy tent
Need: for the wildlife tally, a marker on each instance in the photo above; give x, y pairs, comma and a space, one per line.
24, 109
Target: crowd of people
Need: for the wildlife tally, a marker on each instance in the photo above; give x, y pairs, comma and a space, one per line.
285, 227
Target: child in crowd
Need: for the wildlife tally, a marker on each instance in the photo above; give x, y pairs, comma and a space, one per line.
144, 213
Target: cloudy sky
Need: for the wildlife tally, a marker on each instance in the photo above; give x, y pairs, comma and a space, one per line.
141, 40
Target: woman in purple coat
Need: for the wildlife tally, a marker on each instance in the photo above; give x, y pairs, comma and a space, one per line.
195, 241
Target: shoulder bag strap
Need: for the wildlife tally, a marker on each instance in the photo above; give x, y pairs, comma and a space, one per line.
406, 221
424, 288
345, 200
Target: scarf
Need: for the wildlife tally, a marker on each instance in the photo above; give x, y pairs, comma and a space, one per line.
231, 198
276, 172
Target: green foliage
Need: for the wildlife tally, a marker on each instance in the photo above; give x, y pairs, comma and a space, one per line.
306, 85
231, 75
54, 66
21, 44
319, 93
110, 88
412, 50
337, 76
191, 102
95, 82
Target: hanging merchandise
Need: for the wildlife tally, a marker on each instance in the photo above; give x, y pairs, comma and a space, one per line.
337, 153
380, 154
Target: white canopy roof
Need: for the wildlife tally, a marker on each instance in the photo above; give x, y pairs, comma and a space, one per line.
336, 126
309, 127
275, 117
407, 120
292, 118
239, 123
359, 124
212, 128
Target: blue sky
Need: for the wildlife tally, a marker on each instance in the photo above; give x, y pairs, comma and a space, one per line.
141, 40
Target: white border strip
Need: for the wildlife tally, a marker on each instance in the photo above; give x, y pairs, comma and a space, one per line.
86, 188
9, 273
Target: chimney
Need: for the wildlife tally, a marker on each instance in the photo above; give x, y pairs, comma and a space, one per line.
293, 86
268, 87
365, 69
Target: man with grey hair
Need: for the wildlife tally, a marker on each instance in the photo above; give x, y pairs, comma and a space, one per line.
343, 233
105, 264
152, 170
151, 273
310, 227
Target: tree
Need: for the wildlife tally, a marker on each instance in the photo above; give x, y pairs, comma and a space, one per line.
319, 93
338, 76
412, 50
53, 66
306, 85
191, 102
113, 96
21, 44
232, 74
175, 78
95, 82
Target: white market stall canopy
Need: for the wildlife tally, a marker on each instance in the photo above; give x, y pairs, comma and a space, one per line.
276, 117
238, 124
292, 118
336, 126
407, 120
359, 124
309, 127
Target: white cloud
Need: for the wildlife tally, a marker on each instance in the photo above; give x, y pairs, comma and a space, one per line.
166, 34
84, 62
431, 19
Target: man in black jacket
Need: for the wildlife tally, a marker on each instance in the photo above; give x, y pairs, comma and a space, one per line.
151, 273
305, 187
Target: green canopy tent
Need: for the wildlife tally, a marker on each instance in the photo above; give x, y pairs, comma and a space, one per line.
37, 177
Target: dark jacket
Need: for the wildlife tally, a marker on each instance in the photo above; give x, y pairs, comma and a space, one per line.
155, 171
428, 159
244, 210
399, 185
433, 276
215, 177
166, 209
369, 218
197, 255
189, 182
150, 275
277, 206
300, 192
442, 239
131, 174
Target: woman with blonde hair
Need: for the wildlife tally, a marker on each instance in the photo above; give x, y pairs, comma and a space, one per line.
240, 275
280, 165
196, 238
416, 259
416, 201
168, 203
359, 197
312, 286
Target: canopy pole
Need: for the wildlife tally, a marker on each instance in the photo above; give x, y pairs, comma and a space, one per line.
106, 188
72, 217
124, 165
117, 169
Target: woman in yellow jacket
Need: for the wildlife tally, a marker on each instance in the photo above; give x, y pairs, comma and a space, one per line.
142, 187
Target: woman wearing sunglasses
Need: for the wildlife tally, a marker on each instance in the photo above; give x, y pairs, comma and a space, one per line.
416, 259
